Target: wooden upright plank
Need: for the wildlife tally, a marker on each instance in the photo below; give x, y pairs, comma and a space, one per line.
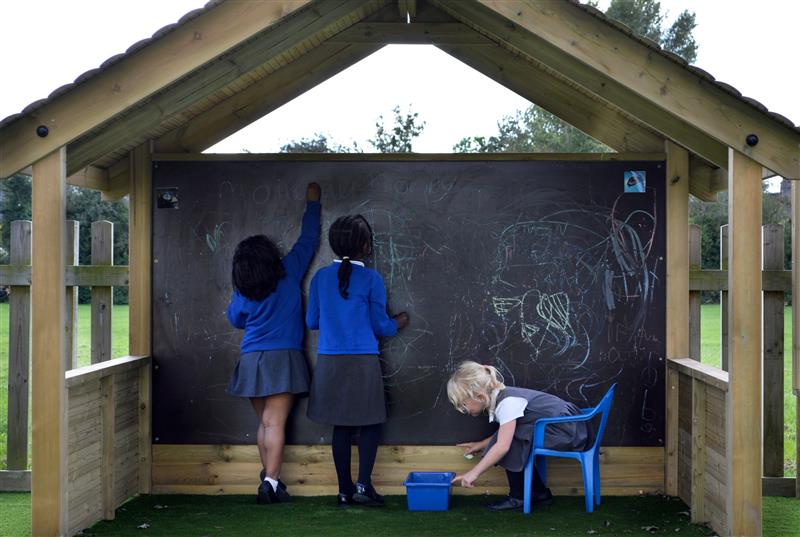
152, 68
695, 240
673, 433
698, 514
102, 296
49, 478
145, 429
677, 343
606, 50
743, 400
71, 248
108, 424
19, 341
795, 292
140, 229
772, 236
723, 298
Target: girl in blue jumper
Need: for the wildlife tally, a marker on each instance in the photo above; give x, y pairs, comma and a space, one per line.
272, 369
347, 303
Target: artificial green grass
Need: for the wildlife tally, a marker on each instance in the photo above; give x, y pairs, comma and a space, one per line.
180, 515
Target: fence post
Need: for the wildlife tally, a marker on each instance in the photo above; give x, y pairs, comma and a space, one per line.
19, 340
695, 234
772, 237
723, 297
71, 250
102, 297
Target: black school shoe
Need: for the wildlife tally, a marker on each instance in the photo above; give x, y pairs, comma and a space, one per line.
266, 494
344, 500
367, 496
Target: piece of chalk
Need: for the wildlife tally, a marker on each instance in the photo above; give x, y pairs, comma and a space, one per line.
469, 456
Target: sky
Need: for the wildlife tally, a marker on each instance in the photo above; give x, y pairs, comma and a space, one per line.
47, 43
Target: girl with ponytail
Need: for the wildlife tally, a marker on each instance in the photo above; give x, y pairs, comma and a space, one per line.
347, 304
476, 388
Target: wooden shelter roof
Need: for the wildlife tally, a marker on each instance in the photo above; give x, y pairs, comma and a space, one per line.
228, 64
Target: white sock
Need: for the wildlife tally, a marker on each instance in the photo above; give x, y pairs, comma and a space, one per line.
272, 482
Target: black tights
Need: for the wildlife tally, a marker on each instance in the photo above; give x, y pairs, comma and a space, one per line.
367, 450
516, 484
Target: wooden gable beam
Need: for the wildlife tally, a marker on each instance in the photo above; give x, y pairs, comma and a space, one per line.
560, 98
497, 27
417, 33
407, 9
295, 37
261, 98
677, 95
135, 77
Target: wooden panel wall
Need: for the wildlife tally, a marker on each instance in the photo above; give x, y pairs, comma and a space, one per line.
309, 470
103, 439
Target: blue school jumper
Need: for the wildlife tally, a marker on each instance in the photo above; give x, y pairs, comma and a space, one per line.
352, 325
276, 322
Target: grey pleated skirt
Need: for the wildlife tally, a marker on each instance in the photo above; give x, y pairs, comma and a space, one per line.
347, 389
570, 436
260, 374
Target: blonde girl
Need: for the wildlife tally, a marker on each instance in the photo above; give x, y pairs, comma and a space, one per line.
476, 388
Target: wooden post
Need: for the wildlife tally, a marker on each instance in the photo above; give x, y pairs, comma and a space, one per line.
49, 475
139, 267
677, 343
772, 236
723, 298
71, 249
796, 318
743, 400
108, 424
19, 341
698, 514
102, 297
695, 238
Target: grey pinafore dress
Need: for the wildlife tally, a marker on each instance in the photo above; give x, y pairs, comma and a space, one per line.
575, 436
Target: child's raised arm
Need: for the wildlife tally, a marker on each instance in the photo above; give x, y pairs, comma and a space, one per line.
299, 257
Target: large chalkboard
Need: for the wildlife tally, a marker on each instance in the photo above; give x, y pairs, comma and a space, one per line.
549, 270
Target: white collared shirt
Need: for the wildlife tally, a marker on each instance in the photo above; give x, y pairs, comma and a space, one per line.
508, 409
359, 263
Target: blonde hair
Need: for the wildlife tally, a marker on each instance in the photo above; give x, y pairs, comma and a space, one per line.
472, 379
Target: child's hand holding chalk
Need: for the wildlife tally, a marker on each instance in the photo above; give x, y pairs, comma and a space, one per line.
470, 448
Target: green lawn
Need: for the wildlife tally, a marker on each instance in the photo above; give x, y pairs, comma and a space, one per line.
119, 347
711, 354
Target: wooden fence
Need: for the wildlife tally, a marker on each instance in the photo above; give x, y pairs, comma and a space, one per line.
108, 402
776, 282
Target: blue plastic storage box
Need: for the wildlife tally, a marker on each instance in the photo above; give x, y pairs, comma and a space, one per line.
428, 491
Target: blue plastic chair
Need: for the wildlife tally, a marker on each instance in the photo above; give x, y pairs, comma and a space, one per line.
589, 459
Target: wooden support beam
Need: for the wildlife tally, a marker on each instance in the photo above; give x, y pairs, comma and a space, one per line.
145, 429
262, 98
418, 33
724, 306
90, 177
796, 292
19, 342
743, 400
119, 178
71, 250
558, 96
706, 180
102, 296
695, 241
140, 229
290, 39
162, 62
509, 22
107, 447
772, 237
49, 479
677, 343
659, 90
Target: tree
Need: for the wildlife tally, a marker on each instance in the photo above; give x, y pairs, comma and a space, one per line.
536, 131
399, 138
318, 144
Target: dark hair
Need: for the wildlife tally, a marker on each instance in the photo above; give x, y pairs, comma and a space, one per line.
347, 236
257, 267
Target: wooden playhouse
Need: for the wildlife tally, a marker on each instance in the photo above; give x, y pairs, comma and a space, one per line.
95, 429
